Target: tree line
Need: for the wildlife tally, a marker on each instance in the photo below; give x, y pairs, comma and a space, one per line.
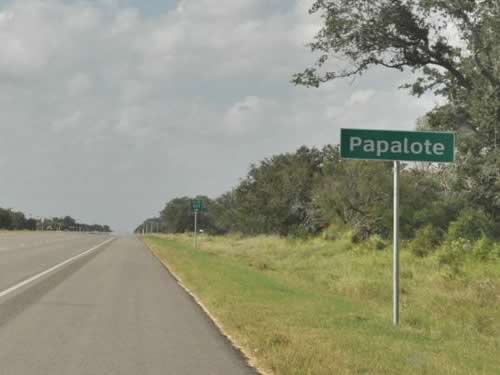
305, 192
15, 220
453, 51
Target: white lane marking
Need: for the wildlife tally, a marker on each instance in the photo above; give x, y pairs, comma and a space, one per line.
51, 269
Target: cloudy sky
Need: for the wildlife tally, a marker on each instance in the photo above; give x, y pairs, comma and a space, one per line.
109, 108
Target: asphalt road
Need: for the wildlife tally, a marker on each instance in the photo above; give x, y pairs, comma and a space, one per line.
115, 310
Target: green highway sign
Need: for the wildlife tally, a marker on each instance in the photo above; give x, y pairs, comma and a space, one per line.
198, 206
397, 145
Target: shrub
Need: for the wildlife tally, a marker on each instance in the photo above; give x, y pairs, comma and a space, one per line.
471, 225
348, 236
483, 249
330, 233
452, 254
426, 240
333, 232
298, 232
377, 243
374, 243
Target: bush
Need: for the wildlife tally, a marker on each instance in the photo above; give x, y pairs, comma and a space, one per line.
484, 249
333, 232
374, 243
377, 243
426, 240
349, 236
452, 254
471, 225
298, 232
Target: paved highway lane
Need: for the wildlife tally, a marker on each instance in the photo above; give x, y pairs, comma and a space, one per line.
25, 254
113, 311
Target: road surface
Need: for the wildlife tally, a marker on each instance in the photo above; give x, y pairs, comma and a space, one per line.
114, 310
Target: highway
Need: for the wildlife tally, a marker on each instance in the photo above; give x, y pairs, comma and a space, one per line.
113, 310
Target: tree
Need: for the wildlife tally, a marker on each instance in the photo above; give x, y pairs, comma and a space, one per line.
224, 211
357, 193
5, 219
68, 223
275, 197
18, 220
414, 34
176, 215
453, 48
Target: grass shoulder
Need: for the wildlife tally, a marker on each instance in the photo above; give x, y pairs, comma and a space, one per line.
324, 307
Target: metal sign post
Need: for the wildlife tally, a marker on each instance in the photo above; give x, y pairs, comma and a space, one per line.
396, 244
197, 206
396, 146
195, 228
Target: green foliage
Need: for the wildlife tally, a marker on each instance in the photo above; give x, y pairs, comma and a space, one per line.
426, 240
452, 254
300, 193
372, 244
471, 224
334, 232
484, 249
413, 35
177, 216
396, 35
377, 243
298, 232
275, 197
14, 220
5, 219
224, 211
283, 297
358, 194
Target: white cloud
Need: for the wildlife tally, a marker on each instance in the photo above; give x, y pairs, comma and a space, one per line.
159, 103
80, 83
245, 115
67, 122
361, 97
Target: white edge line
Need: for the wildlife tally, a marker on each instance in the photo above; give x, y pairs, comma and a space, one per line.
51, 269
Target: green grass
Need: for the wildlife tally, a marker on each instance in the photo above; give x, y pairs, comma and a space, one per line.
324, 307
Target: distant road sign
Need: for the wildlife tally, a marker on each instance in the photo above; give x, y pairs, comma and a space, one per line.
198, 206
397, 145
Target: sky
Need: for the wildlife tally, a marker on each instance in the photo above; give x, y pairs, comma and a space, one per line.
109, 108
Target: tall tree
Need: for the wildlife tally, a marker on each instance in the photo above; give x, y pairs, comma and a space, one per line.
453, 48
275, 197
18, 220
5, 219
176, 215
